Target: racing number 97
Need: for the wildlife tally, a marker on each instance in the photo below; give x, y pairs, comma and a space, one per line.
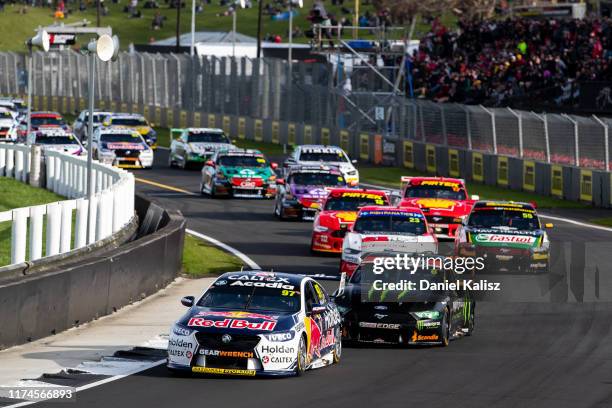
286, 292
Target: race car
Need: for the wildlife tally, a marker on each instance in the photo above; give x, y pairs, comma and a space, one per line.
43, 120
303, 190
313, 155
134, 121
15, 104
444, 201
508, 235
9, 126
81, 123
243, 173
430, 313
121, 147
338, 213
58, 140
380, 228
196, 145
256, 323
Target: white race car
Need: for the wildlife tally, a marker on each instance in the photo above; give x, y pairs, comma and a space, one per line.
256, 323
196, 145
8, 125
57, 139
121, 147
329, 155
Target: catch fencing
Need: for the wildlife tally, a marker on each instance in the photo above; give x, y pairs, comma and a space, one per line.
309, 93
57, 228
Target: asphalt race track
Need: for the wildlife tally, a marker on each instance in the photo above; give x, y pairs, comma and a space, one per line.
552, 351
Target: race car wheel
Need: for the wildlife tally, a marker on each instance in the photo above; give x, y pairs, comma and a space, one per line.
337, 353
445, 328
201, 189
470, 325
171, 162
300, 365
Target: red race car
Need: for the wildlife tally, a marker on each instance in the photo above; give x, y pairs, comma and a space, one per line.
337, 215
44, 120
379, 229
444, 201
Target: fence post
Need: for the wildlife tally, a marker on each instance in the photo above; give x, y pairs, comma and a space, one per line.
3, 151
18, 235
576, 141
519, 117
443, 123
54, 219
93, 216
10, 162
468, 126
36, 231
492, 114
606, 142
544, 118
80, 227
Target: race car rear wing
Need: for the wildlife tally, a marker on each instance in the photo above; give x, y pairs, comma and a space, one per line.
405, 180
399, 246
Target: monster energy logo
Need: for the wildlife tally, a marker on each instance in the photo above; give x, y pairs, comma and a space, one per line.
466, 309
420, 325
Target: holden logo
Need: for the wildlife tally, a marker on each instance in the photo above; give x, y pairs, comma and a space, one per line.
226, 338
128, 151
380, 316
380, 307
436, 219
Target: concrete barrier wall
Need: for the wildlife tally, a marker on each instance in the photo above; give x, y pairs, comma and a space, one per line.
41, 305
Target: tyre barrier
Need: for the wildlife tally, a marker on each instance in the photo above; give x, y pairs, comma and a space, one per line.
88, 287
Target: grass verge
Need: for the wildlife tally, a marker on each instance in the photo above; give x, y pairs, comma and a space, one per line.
14, 194
200, 259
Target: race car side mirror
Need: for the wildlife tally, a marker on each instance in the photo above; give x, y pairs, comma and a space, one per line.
152, 124
549, 225
475, 197
280, 181
210, 163
274, 165
354, 161
187, 301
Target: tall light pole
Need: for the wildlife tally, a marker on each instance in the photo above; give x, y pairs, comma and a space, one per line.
300, 4
178, 25
242, 4
42, 41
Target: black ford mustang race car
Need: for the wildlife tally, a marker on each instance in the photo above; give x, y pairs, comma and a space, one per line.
257, 323
389, 311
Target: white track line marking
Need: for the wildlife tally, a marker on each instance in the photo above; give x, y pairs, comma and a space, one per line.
226, 247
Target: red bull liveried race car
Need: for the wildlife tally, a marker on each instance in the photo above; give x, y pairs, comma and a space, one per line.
257, 323
444, 201
338, 213
386, 229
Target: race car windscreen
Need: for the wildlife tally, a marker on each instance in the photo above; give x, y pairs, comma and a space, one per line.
128, 122
249, 298
242, 161
120, 138
496, 218
47, 121
323, 156
317, 179
390, 222
57, 140
421, 191
97, 118
207, 138
353, 203
6, 115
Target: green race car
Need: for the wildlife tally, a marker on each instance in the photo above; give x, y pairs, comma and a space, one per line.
507, 235
239, 173
194, 146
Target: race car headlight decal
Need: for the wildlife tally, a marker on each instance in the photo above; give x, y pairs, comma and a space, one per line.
320, 228
280, 336
351, 173
429, 314
351, 251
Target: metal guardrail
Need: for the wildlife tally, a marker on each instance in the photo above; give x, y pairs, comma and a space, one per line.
110, 209
309, 93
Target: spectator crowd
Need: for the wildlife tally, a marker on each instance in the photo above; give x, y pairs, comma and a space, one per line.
497, 61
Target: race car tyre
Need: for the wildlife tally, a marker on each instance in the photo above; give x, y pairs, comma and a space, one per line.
300, 365
445, 329
471, 323
179, 373
171, 162
337, 353
202, 189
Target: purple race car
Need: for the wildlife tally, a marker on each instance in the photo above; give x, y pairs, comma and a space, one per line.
304, 189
